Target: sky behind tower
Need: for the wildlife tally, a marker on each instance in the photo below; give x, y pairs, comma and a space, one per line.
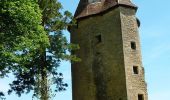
155, 45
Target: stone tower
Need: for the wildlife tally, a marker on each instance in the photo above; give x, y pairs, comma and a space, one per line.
111, 66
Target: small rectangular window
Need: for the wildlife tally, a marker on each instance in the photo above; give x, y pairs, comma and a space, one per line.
140, 97
98, 38
133, 45
135, 70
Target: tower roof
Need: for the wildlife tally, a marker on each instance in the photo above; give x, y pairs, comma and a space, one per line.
85, 9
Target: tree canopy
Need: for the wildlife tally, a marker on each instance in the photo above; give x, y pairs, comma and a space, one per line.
32, 45
21, 33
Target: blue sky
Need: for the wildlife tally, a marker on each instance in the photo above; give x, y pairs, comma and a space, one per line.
155, 42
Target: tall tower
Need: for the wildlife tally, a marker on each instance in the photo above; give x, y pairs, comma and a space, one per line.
111, 66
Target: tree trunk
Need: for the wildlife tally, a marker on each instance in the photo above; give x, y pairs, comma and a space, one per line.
44, 86
44, 95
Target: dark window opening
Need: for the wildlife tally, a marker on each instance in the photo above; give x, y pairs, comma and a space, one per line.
98, 38
97, 53
140, 97
133, 45
135, 70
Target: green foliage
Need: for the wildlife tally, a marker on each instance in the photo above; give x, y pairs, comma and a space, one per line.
21, 33
2, 95
33, 45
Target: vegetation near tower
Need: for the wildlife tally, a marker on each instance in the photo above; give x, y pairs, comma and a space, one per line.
32, 45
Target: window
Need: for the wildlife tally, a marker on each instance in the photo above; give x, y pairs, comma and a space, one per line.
98, 38
135, 70
140, 97
92, 1
133, 45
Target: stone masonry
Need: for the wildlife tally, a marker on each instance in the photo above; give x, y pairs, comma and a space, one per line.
111, 66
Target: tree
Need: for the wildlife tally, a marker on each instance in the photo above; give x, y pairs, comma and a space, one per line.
32, 48
2, 95
20, 32
21, 35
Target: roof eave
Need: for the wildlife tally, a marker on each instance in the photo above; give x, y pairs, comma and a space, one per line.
80, 16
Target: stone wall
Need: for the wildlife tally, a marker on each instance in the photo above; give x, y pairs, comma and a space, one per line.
105, 72
135, 82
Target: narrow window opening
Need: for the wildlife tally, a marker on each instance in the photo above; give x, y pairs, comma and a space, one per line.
98, 39
97, 53
135, 70
140, 97
133, 45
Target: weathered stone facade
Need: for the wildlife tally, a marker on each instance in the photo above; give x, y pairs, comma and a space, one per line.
135, 83
109, 62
